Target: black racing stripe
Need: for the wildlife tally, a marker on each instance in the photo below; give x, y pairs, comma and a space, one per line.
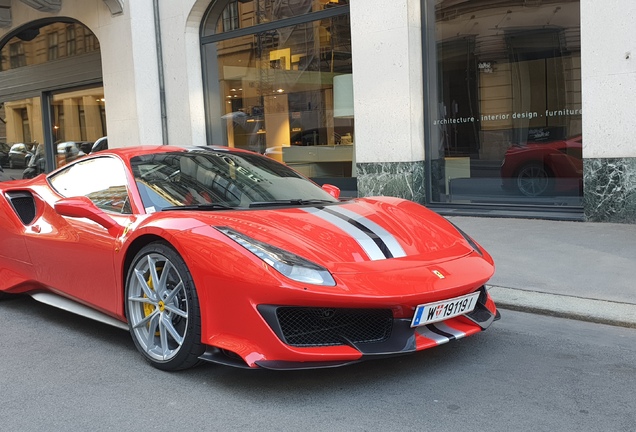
434, 329
376, 239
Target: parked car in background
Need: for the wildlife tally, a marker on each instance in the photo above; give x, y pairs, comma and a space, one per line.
19, 155
542, 168
99, 145
4, 154
68, 151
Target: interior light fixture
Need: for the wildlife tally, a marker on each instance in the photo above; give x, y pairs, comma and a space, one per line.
343, 96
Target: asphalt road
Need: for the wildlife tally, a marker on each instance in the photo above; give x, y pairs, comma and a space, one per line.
60, 372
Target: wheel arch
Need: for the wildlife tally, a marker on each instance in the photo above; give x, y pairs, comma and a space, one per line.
133, 249
190, 337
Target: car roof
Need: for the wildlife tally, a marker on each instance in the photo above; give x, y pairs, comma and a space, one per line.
127, 153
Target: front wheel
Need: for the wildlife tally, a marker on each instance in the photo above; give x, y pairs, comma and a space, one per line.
162, 308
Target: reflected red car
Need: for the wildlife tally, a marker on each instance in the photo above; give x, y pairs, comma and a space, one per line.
544, 168
222, 255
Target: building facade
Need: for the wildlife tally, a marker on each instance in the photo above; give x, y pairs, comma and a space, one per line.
468, 106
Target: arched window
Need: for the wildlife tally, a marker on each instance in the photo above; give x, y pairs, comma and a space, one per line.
51, 98
271, 74
44, 42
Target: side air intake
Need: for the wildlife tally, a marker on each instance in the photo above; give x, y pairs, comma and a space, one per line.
23, 204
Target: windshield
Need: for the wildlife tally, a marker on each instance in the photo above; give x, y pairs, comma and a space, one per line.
219, 179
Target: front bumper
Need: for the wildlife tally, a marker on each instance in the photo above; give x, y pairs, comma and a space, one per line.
359, 334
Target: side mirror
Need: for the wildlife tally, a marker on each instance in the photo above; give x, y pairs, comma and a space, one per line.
82, 207
332, 190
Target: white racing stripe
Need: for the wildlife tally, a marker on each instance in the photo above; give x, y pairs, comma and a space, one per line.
446, 329
377, 242
384, 235
439, 339
365, 242
440, 333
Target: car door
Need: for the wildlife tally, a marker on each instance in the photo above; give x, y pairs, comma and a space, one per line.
75, 256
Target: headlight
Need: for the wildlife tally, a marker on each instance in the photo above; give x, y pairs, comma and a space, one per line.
286, 263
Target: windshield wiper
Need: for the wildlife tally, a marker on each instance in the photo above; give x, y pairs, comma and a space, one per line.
214, 206
297, 201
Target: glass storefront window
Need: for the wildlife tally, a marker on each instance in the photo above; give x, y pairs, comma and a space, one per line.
41, 129
78, 121
20, 135
505, 124
277, 91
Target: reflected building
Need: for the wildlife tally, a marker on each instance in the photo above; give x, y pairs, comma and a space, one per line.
466, 106
77, 115
508, 86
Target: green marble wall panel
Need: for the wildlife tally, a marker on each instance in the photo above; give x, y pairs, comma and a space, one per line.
399, 179
609, 192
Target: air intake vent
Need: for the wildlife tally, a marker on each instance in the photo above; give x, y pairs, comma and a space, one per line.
307, 327
24, 206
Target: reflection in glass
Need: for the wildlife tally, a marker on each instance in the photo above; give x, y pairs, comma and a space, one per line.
272, 91
247, 13
506, 124
21, 131
78, 121
39, 45
218, 180
78, 117
102, 180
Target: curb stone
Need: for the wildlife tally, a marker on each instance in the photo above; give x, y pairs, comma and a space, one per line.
583, 309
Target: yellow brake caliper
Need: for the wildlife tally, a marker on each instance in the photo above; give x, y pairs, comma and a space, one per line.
150, 308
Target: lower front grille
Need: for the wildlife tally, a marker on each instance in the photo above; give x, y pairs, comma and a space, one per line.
309, 327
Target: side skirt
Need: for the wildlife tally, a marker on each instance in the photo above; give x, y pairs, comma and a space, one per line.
77, 308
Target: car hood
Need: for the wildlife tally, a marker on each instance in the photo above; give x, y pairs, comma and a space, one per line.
354, 235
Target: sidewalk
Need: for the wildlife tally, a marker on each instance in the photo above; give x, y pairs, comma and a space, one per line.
579, 270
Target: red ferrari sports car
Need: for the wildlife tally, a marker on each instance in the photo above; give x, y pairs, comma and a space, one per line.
543, 168
216, 254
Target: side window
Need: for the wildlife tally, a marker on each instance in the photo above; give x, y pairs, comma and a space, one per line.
102, 180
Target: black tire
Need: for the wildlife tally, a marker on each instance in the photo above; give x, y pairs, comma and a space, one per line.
534, 179
7, 296
162, 309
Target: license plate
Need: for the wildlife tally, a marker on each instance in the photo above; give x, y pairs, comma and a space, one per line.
439, 311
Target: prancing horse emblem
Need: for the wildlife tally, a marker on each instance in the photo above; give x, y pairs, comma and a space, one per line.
439, 274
